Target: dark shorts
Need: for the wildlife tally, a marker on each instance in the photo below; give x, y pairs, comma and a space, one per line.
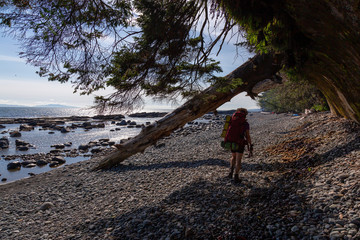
240, 150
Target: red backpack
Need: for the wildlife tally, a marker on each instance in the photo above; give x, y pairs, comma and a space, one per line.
237, 129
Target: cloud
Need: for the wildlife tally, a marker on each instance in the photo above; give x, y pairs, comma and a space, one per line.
11, 59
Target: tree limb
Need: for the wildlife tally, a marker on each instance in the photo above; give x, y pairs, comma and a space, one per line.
254, 72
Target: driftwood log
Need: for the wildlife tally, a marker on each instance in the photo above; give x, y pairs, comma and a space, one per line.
258, 74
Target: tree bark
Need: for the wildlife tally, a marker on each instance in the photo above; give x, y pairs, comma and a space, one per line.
334, 67
258, 74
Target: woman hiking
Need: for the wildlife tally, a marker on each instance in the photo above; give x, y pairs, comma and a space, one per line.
238, 134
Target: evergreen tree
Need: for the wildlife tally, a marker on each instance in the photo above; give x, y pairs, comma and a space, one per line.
162, 48
292, 97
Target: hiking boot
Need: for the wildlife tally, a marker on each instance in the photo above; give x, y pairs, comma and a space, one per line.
236, 178
231, 173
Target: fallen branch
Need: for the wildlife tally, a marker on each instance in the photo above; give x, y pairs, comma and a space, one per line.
258, 74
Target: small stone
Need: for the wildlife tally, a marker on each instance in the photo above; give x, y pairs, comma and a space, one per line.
356, 221
46, 206
295, 229
352, 232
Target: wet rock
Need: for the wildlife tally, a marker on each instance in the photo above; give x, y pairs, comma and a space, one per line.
65, 130
15, 134
55, 151
23, 148
31, 165
84, 147
54, 164
122, 123
96, 150
148, 114
58, 159
25, 163
41, 162
2, 126
100, 125
19, 143
58, 146
4, 142
14, 165
25, 127
4, 179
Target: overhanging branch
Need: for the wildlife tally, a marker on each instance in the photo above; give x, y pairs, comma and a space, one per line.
254, 73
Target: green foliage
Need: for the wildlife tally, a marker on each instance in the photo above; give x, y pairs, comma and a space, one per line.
224, 85
292, 97
269, 27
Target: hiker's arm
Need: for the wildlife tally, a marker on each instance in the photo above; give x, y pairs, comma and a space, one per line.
248, 138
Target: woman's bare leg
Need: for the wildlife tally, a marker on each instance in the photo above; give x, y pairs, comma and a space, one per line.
238, 162
232, 164
238, 167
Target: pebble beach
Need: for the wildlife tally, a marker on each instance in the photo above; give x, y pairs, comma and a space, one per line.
303, 182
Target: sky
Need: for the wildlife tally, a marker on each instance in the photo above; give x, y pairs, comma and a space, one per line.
20, 85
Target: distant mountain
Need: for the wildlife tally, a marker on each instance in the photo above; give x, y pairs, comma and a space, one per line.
55, 106
9, 105
39, 106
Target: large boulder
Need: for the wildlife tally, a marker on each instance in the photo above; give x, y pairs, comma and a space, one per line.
122, 123
30, 165
20, 143
26, 127
41, 162
15, 134
14, 165
23, 148
65, 130
84, 147
4, 142
25, 163
58, 159
58, 146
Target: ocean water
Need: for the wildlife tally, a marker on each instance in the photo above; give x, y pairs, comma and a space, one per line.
36, 112
42, 140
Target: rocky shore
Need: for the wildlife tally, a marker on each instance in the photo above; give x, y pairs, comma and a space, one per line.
302, 183
56, 154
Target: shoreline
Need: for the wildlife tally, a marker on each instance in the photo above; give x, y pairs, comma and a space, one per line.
22, 153
300, 182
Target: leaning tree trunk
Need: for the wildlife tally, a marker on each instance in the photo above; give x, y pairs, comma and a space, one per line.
333, 28
257, 75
